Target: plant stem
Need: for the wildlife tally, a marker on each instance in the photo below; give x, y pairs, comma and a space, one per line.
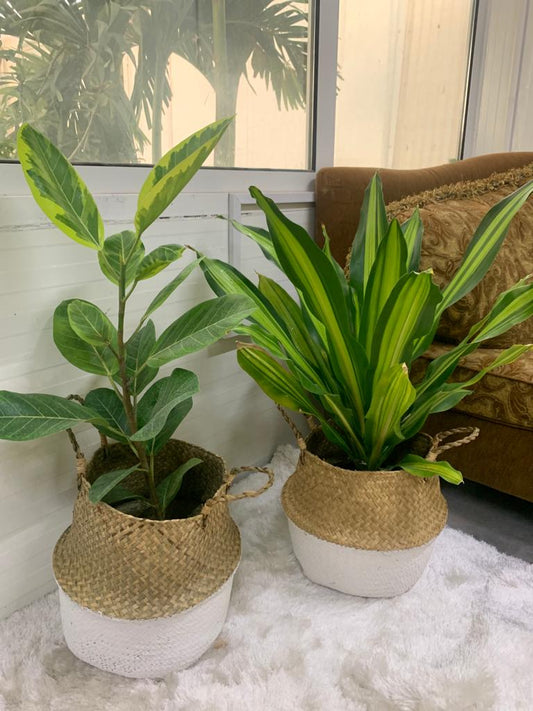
146, 465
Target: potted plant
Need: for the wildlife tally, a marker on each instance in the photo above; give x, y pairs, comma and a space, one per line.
145, 570
364, 504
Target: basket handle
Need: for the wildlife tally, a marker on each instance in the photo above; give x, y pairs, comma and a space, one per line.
225, 496
300, 439
471, 433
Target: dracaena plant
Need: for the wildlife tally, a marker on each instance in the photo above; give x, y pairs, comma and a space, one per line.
342, 352
132, 409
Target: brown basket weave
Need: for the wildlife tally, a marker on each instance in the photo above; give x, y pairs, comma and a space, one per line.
378, 510
137, 568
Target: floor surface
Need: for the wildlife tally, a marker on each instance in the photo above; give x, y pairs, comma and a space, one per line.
498, 519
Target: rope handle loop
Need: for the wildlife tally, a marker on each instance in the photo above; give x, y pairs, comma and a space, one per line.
300, 439
471, 433
225, 496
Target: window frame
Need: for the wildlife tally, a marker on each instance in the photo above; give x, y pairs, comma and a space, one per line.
104, 179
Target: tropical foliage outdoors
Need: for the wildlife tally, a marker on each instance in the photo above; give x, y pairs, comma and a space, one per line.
64, 67
342, 353
135, 409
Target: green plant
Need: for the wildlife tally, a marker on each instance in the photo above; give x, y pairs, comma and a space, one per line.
143, 419
343, 353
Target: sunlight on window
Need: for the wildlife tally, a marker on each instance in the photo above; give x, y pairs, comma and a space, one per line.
120, 82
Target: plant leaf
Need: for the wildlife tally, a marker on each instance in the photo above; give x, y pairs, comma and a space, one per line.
138, 349
168, 489
159, 259
106, 482
484, 246
106, 403
58, 189
320, 286
389, 266
120, 493
408, 313
413, 231
120, 257
261, 237
91, 324
172, 173
169, 289
202, 325
160, 399
280, 385
25, 417
174, 420
418, 466
392, 396
371, 229
90, 358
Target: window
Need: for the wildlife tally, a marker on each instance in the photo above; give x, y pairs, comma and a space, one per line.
401, 90
117, 82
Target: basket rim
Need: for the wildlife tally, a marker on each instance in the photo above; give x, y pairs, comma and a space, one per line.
226, 480
364, 472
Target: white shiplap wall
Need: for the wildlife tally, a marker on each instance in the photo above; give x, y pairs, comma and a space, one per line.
39, 267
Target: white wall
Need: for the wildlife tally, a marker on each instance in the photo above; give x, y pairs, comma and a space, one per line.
39, 267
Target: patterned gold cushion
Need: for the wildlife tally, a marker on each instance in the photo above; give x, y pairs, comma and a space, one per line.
505, 395
450, 216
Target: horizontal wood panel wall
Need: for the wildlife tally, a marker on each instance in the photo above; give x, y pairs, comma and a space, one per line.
38, 268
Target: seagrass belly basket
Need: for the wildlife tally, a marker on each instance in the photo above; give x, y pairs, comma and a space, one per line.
142, 597
363, 532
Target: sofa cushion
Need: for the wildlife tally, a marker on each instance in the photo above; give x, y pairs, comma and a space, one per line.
450, 216
505, 395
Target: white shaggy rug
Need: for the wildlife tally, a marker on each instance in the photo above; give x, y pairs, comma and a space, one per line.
461, 639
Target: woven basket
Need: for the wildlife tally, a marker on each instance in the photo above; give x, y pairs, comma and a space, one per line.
139, 570
351, 530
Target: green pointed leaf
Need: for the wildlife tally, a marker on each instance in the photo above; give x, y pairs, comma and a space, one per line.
159, 259
370, 231
168, 489
392, 396
445, 398
91, 324
169, 289
261, 237
138, 349
120, 257
484, 246
260, 337
119, 494
106, 403
160, 399
389, 266
274, 380
511, 308
25, 417
323, 292
90, 358
417, 466
58, 189
408, 313
204, 324
413, 231
172, 173
174, 420
106, 482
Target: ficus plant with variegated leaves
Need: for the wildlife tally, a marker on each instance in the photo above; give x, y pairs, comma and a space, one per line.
133, 409
342, 352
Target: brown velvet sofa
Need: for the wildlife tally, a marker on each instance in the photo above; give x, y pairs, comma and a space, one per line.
452, 198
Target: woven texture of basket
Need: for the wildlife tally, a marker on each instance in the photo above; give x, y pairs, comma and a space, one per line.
371, 510
137, 568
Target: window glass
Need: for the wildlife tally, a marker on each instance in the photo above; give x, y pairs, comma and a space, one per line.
403, 68
121, 81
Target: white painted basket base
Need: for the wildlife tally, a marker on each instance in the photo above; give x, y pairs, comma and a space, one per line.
144, 648
355, 571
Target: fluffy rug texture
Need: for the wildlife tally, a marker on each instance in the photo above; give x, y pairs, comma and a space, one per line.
461, 639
